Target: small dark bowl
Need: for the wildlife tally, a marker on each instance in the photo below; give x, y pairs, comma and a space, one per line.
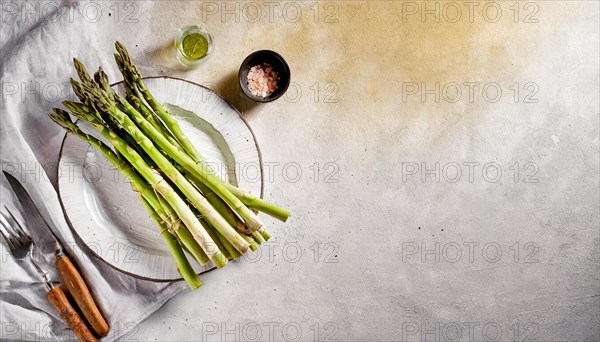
279, 65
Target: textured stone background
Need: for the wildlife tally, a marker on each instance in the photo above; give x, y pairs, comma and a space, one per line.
419, 213
374, 221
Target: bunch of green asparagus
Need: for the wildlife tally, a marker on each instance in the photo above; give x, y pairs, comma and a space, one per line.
194, 209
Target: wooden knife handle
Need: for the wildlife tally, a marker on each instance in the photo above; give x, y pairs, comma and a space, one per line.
57, 298
80, 292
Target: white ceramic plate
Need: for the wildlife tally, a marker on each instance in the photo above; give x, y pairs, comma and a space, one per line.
106, 213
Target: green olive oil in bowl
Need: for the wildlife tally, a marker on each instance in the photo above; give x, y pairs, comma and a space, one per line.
194, 45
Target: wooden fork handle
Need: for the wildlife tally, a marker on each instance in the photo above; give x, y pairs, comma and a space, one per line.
81, 294
57, 298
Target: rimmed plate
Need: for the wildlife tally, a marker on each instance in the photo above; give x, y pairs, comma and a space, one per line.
106, 213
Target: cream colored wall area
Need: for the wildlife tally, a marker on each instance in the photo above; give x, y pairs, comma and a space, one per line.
440, 158
383, 92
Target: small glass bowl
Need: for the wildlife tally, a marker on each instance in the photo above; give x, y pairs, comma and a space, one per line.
181, 56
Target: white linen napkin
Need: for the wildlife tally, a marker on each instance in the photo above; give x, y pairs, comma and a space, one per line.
39, 40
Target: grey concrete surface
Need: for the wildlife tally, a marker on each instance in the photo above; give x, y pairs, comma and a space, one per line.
449, 172
497, 241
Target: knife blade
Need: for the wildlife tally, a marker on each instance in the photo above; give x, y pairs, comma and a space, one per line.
47, 244
41, 232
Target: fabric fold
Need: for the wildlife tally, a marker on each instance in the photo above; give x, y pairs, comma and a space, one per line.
36, 65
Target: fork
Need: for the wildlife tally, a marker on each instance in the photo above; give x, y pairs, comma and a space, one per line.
21, 247
20, 243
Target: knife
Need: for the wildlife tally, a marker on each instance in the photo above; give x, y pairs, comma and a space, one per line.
47, 244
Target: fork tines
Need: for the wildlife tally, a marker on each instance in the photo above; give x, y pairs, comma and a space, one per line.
12, 231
